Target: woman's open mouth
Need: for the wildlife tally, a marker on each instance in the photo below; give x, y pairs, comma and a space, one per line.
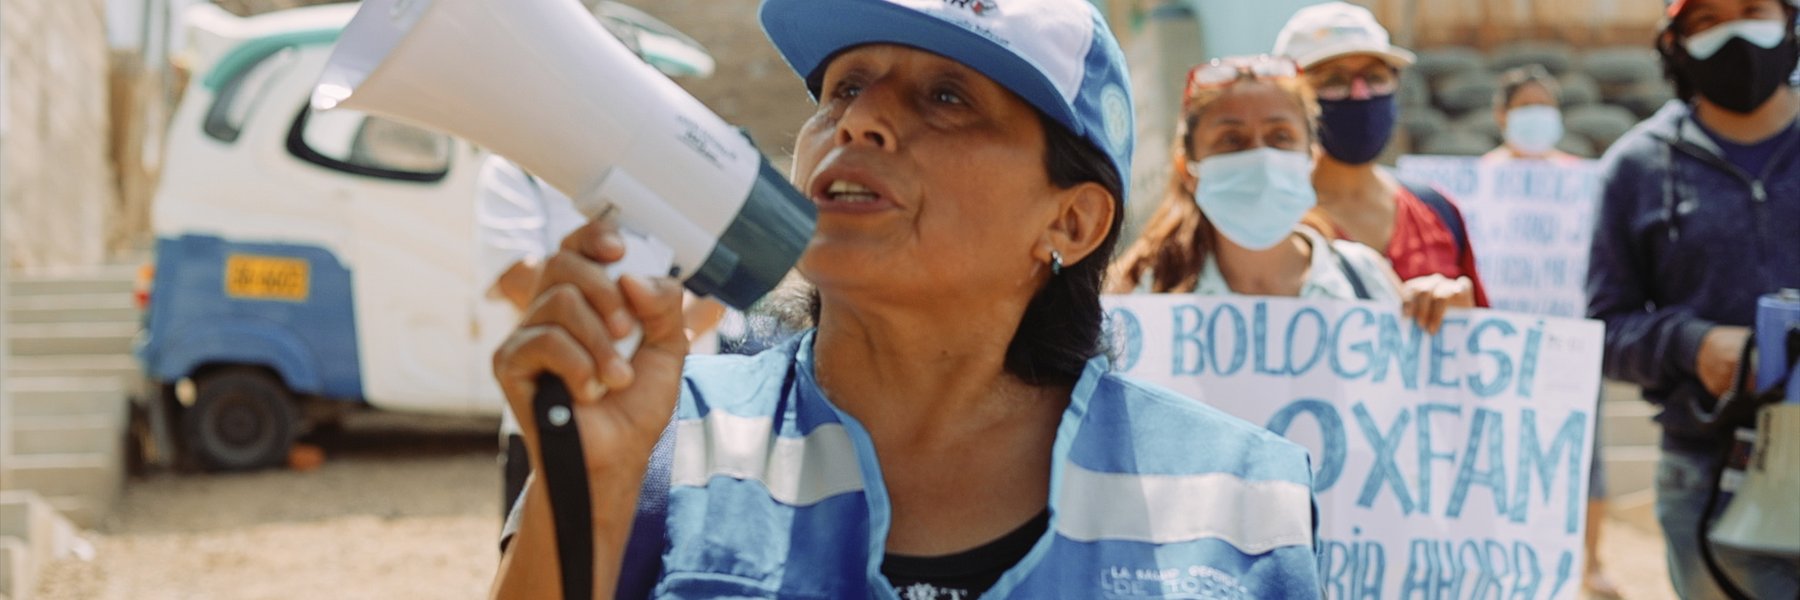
845, 188
850, 192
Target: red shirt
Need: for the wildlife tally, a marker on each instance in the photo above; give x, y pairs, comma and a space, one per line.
1422, 245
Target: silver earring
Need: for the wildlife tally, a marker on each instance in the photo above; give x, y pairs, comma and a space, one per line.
1055, 262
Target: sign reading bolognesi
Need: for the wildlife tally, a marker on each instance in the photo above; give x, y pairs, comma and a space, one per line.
1448, 466
1531, 223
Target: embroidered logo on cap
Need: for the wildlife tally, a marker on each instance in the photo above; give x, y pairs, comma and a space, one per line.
979, 7
1346, 31
1115, 112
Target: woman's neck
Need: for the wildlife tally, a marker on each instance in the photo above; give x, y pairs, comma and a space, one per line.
915, 374
1339, 183
1773, 117
1278, 271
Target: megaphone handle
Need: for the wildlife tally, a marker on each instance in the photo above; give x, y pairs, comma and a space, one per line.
565, 477
1736, 399
559, 440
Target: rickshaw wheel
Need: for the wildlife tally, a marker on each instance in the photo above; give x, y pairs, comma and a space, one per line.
242, 418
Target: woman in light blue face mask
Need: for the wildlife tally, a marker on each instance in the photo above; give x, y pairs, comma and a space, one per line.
1239, 216
1527, 106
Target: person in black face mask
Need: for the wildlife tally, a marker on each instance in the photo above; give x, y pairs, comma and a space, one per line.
1736, 65
1355, 71
1700, 216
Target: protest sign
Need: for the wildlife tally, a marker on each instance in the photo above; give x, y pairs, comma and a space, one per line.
1446, 467
1530, 223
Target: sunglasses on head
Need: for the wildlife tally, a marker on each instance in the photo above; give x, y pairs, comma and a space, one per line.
1223, 72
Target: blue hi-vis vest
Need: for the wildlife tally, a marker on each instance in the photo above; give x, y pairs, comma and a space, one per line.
775, 493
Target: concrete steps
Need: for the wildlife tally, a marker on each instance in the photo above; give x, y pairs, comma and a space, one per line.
66, 442
79, 434
66, 389
1629, 439
120, 368
1629, 423
1630, 469
55, 476
103, 280
38, 396
32, 534
17, 578
46, 339
110, 307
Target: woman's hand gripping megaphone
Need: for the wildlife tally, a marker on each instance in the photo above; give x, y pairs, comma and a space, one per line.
615, 342
581, 327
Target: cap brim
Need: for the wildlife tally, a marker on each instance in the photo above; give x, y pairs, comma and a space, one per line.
1395, 56
808, 40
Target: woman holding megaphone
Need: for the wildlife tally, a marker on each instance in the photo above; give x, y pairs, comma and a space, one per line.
950, 428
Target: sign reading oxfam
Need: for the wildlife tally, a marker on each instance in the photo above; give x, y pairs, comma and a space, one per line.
1446, 466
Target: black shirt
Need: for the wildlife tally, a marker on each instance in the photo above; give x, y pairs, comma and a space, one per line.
964, 575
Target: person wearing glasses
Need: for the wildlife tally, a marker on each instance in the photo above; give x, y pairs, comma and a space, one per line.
1528, 107
1239, 215
951, 427
1699, 209
1355, 71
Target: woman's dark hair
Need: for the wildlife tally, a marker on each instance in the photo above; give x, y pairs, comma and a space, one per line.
1062, 326
1668, 46
1517, 78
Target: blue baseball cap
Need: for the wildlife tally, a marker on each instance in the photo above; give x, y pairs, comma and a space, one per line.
1057, 55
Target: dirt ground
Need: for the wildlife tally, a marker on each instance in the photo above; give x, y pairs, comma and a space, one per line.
401, 509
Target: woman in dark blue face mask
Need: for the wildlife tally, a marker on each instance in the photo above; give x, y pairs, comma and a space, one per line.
1355, 72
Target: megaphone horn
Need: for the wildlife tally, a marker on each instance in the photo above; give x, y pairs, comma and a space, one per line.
542, 83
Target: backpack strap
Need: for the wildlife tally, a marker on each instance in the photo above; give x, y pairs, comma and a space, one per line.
1445, 212
1356, 281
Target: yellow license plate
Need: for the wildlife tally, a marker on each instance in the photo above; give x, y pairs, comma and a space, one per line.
267, 278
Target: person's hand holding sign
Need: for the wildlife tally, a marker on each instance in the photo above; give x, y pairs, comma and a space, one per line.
1427, 298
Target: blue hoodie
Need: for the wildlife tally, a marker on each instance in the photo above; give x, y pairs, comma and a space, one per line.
1685, 241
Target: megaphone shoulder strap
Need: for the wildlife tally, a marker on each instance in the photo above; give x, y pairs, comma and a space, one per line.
565, 477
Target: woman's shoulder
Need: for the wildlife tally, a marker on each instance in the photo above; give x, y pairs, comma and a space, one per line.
1376, 273
1173, 433
1359, 255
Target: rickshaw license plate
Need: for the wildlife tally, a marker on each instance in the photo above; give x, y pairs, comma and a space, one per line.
267, 278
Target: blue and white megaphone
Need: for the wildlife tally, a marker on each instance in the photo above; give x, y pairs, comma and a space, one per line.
1764, 514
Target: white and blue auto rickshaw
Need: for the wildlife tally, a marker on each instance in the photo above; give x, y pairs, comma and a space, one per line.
307, 264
